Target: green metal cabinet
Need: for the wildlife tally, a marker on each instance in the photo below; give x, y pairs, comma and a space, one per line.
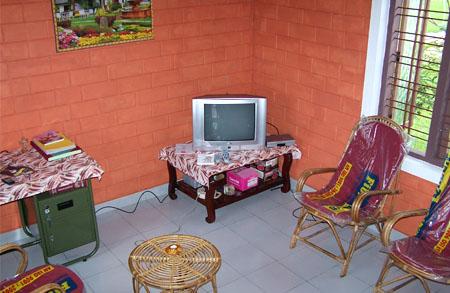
66, 221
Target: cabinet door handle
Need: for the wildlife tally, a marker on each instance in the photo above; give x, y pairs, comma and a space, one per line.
65, 205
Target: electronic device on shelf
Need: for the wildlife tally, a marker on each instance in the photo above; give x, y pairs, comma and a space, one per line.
229, 122
205, 159
279, 140
191, 181
184, 148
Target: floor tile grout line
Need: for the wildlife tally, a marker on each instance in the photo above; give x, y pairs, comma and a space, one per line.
246, 277
278, 262
112, 267
85, 280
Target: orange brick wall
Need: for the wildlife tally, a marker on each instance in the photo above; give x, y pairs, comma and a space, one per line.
309, 59
121, 103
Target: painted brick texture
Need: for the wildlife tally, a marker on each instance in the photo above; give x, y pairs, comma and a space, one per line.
123, 103
303, 54
309, 59
120, 103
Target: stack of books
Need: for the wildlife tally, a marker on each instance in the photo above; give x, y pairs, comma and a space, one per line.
266, 170
53, 145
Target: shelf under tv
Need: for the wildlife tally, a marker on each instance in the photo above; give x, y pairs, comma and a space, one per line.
212, 204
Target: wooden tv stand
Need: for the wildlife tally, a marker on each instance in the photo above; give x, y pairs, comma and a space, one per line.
188, 166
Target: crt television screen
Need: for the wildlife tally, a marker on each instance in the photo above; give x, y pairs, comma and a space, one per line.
229, 122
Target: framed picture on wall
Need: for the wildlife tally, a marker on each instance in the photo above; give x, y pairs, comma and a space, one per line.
90, 23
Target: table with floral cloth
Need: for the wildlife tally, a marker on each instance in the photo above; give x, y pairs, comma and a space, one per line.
45, 176
34, 176
203, 174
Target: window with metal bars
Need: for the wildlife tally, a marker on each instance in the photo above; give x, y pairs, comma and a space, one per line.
416, 78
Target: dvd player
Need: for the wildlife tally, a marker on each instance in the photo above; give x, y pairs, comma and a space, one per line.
279, 140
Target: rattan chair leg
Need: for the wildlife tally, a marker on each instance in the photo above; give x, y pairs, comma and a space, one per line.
338, 239
411, 279
424, 284
357, 233
214, 284
386, 267
381, 283
298, 228
135, 285
330, 225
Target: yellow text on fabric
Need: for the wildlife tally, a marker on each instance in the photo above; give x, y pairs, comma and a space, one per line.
443, 242
26, 280
337, 187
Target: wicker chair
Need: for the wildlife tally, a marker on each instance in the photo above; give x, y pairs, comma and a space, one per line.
425, 256
357, 191
41, 279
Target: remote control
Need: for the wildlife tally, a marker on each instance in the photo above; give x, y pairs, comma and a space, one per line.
8, 181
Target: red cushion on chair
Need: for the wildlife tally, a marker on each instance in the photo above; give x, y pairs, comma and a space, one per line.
419, 254
39, 276
370, 162
340, 218
435, 229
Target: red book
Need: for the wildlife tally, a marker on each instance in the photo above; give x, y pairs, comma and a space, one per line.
49, 137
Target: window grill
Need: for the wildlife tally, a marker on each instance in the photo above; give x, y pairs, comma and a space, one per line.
416, 75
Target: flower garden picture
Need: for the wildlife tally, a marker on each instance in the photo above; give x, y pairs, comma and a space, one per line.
88, 23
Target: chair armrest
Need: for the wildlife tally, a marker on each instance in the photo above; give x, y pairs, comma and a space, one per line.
8, 247
308, 173
50, 287
390, 223
356, 206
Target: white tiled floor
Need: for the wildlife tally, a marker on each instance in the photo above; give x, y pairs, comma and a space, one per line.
252, 235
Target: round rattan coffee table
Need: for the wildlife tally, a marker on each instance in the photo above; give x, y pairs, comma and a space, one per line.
174, 263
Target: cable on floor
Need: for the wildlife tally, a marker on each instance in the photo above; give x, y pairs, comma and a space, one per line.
137, 203
275, 188
189, 213
137, 242
180, 226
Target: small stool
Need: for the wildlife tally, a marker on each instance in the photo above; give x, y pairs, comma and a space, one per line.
174, 263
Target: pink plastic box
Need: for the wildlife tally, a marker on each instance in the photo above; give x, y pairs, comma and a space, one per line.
242, 179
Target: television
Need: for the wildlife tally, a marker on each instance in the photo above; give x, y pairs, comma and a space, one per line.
228, 122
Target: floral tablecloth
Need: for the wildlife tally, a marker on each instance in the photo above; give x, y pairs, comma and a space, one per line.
187, 163
45, 175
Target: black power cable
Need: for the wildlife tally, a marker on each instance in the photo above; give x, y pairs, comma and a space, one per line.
137, 203
273, 125
297, 209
